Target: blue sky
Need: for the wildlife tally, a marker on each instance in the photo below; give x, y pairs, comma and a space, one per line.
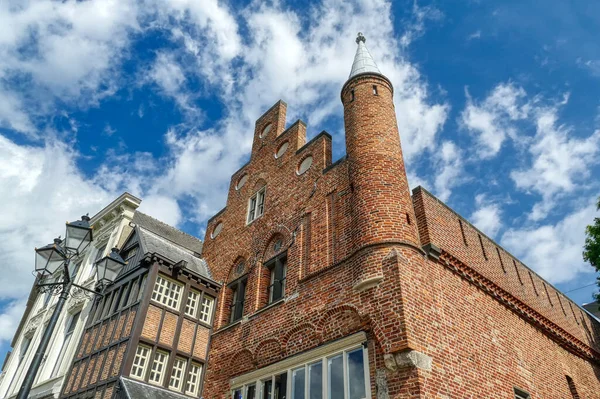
497, 104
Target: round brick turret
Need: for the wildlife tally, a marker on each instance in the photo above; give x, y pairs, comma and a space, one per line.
382, 204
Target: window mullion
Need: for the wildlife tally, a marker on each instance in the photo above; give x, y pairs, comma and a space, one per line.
324, 375
345, 374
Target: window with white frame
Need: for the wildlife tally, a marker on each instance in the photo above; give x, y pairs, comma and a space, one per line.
206, 308
342, 374
176, 382
193, 382
167, 292
256, 205
191, 306
69, 328
140, 362
159, 364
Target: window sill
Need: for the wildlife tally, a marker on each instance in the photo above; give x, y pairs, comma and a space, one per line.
251, 316
228, 326
254, 220
269, 306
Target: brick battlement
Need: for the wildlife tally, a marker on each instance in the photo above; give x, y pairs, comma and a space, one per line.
443, 227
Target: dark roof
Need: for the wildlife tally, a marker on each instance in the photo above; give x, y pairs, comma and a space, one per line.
152, 242
168, 232
593, 308
139, 390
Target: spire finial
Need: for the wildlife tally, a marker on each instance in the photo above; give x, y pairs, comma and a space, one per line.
360, 38
363, 62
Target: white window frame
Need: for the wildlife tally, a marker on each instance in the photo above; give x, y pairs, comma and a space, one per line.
192, 388
321, 354
191, 304
206, 308
142, 352
178, 374
160, 360
256, 205
69, 330
167, 292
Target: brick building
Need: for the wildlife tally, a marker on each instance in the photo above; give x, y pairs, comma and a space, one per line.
338, 283
148, 335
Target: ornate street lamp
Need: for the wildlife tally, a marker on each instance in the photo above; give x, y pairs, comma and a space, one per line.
53, 260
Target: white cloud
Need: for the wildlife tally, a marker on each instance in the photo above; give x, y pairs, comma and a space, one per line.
491, 121
10, 319
554, 250
40, 188
560, 161
487, 216
449, 167
474, 35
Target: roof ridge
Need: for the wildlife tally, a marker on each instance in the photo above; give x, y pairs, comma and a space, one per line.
174, 229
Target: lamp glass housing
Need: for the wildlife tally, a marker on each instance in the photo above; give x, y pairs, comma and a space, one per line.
79, 234
109, 267
48, 259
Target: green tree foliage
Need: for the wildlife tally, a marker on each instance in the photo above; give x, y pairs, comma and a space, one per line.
591, 248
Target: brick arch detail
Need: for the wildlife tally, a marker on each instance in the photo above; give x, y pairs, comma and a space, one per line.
302, 337
242, 361
231, 276
340, 321
268, 351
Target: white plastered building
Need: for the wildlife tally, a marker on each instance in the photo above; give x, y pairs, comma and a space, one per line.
110, 227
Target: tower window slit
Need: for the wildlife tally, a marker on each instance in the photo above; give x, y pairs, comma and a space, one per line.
501, 262
462, 231
533, 284
351, 95
374, 90
482, 247
407, 218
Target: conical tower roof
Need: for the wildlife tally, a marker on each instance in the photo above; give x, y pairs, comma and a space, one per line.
363, 61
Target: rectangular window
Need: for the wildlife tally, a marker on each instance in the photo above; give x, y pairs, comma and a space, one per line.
191, 306
140, 362
315, 380
69, 328
176, 382
520, 394
157, 372
130, 253
193, 382
237, 300
206, 309
74, 269
167, 292
345, 377
278, 267
256, 205
24, 347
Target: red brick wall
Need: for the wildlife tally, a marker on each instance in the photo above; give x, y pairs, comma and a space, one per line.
443, 228
342, 225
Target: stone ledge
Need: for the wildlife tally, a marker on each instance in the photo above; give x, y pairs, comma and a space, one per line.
408, 358
368, 283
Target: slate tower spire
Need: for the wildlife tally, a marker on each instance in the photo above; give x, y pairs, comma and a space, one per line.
382, 205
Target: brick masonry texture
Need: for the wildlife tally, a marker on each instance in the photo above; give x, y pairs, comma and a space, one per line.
365, 255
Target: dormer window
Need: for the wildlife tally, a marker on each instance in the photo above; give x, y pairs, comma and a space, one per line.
256, 205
